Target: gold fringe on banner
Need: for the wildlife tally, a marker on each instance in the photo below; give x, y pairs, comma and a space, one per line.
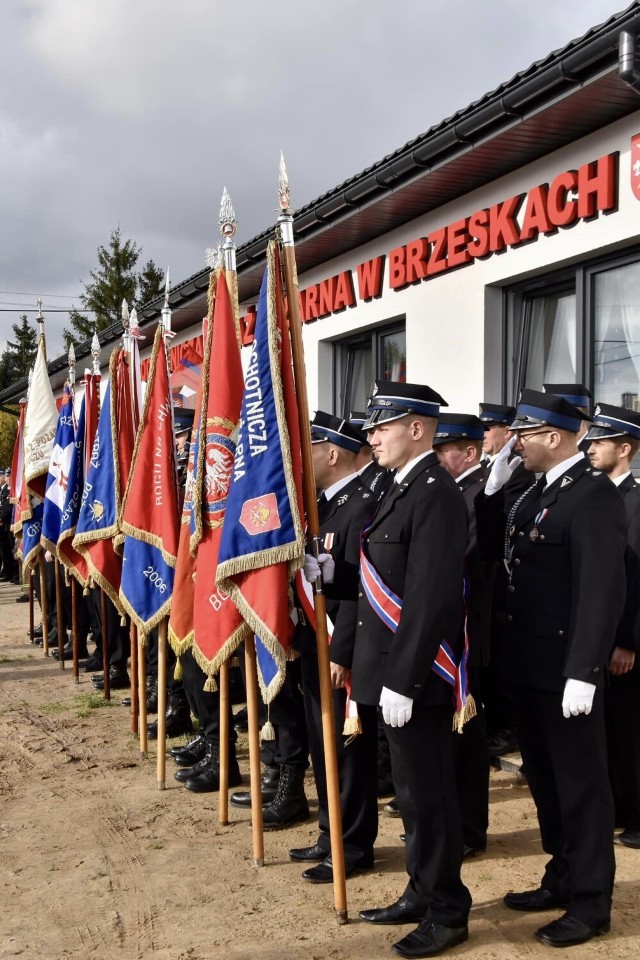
352, 726
210, 685
177, 670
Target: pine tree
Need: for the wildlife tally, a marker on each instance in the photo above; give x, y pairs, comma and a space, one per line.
20, 353
150, 283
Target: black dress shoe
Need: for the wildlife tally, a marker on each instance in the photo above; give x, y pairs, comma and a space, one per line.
502, 742
240, 721
308, 854
177, 723
190, 753
23, 598
430, 939
534, 900
208, 779
323, 873
469, 851
67, 652
402, 911
118, 680
385, 787
629, 838
568, 931
93, 663
392, 809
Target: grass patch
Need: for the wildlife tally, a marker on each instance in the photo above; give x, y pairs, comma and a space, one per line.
57, 706
86, 702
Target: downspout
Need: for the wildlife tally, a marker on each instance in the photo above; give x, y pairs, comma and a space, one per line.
629, 60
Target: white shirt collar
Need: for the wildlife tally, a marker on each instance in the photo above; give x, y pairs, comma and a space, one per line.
623, 476
476, 466
366, 467
336, 487
408, 467
561, 468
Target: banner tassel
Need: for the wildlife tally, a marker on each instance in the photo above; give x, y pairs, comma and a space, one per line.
177, 670
468, 712
210, 685
268, 730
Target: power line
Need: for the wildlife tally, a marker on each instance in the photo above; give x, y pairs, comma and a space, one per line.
23, 293
34, 310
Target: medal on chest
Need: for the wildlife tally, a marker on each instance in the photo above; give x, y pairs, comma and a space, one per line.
535, 534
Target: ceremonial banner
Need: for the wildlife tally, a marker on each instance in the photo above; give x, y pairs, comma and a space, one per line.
218, 627
185, 380
262, 542
31, 533
74, 561
58, 475
150, 520
181, 617
39, 426
17, 471
98, 518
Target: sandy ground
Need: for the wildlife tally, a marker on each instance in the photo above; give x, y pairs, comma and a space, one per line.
95, 862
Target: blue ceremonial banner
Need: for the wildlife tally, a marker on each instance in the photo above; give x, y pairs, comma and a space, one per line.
262, 541
58, 474
73, 560
31, 533
98, 519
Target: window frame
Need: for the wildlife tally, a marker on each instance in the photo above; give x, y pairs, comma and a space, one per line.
374, 336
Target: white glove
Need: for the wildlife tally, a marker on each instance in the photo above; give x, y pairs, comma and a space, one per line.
325, 564
577, 698
396, 709
502, 468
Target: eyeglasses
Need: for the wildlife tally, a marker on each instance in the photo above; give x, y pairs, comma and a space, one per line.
525, 435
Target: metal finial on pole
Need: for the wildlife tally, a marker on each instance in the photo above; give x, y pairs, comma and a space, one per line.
228, 225
284, 191
95, 353
125, 325
165, 316
72, 364
40, 317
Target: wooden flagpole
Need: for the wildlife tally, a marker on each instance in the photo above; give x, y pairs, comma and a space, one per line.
133, 646
31, 611
44, 606
105, 645
254, 752
59, 612
162, 702
74, 629
227, 252
142, 697
285, 224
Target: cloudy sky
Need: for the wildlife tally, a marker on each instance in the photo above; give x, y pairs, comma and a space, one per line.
138, 112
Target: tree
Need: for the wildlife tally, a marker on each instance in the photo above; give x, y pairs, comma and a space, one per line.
150, 283
113, 281
8, 430
19, 354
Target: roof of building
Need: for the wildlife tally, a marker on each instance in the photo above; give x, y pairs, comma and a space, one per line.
565, 96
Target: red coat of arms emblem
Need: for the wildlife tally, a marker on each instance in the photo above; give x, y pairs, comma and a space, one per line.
260, 514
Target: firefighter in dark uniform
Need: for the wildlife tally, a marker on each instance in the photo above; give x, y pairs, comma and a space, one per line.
502, 737
412, 572
564, 546
614, 440
344, 505
458, 443
582, 398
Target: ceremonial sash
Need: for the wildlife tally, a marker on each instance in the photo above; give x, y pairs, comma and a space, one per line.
387, 605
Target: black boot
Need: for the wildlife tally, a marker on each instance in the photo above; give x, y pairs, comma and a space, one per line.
178, 719
290, 803
190, 753
268, 789
205, 775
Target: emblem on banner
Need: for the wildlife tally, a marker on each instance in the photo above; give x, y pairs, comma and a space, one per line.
260, 514
218, 466
635, 165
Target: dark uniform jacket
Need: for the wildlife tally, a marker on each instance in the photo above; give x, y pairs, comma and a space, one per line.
6, 507
416, 543
628, 635
341, 521
378, 479
481, 573
567, 586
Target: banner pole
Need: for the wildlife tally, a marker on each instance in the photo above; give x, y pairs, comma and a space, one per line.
285, 224
133, 650
254, 752
162, 702
44, 606
59, 612
105, 646
74, 629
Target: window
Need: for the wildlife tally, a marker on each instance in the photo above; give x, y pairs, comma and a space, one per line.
578, 326
358, 361
616, 351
